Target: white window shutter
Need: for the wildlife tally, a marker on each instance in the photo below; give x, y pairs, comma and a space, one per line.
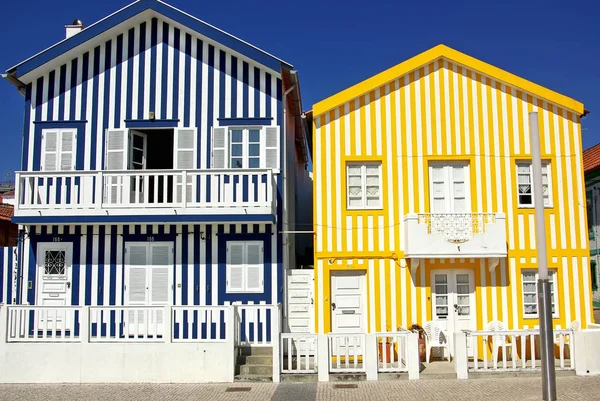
159, 285
116, 150
235, 267
185, 149
49, 151
254, 267
136, 286
219, 147
67, 150
160, 255
438, 189
270, 140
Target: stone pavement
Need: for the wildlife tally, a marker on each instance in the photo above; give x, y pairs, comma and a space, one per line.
517, 388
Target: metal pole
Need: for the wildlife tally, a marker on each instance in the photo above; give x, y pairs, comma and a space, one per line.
543, 285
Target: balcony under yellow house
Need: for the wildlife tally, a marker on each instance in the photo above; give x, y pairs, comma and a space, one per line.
423, 204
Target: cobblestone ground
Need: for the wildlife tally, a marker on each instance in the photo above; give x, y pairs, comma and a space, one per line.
519, 388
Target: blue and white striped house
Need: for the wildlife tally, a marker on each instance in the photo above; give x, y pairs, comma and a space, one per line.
162, 158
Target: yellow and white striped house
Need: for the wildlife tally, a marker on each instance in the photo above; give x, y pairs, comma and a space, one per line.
423, 203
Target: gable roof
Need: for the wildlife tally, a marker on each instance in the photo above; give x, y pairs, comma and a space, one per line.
450, 54
134, 9
591, 158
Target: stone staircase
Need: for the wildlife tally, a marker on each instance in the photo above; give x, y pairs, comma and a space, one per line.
254, 364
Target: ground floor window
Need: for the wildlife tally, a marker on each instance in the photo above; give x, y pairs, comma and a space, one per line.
529, 278
148, 267
594, 275
245, 269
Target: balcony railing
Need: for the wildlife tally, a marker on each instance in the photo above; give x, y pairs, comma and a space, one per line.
455, 235
117, 192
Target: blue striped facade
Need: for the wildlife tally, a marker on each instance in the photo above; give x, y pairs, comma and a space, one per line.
199, 261
7, 276
186, 80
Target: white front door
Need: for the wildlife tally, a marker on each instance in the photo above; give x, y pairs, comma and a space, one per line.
348, 308
54, 266
300, 306
148, 270
453, 305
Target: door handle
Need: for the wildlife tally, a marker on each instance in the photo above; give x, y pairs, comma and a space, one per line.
333, 306
455, 307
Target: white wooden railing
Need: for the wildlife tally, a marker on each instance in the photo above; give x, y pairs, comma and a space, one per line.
89, 190
519, 349
393, 351
127, 323
43, 323
208, 324
255, 324
346, 352
299, 353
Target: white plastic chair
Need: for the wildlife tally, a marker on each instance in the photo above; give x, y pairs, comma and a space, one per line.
434, 338
574, 325
498, 341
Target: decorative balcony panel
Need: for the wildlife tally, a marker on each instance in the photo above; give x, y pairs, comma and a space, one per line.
455, 235
242, 193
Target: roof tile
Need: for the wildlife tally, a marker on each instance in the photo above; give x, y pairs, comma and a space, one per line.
591, 158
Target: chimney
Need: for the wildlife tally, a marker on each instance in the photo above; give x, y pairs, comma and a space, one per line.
74, 28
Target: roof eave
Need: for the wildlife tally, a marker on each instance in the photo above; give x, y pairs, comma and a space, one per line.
10, 77
442, 51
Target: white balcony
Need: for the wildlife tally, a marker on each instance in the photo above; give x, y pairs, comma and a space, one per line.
455, 235
248, 194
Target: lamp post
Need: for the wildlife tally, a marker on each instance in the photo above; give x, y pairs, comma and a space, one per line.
543, 284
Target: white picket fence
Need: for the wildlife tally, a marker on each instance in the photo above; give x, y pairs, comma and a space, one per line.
257, 325
43, 323
299, 353
346, 352
393, 351
520, 350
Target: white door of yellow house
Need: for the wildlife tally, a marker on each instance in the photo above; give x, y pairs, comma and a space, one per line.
348, 306
54, 266
449, 187
453, 301
300, 307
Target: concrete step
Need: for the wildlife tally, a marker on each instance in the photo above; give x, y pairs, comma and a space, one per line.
253, 378
344, 377
255, 360
255, 351
300, 377
265, 370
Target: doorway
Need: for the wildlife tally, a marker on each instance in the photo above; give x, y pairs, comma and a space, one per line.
55, 269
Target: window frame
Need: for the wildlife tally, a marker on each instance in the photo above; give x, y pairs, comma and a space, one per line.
245, 146
548, 165
245, 267
59, 152
363, 176
552, 275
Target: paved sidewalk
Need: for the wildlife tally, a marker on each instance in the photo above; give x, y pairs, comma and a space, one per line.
518, 388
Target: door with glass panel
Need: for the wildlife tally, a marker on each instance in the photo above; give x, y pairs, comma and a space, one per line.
453, 301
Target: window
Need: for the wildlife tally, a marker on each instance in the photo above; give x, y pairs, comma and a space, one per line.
525, 184
252, 147
364, 185
58, 149
594, 272
530, 278
449, 187
245, 268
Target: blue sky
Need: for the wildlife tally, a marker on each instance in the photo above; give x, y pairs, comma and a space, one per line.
335, 44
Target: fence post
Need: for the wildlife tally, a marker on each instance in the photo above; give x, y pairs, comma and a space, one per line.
323, 357
461, 358
370, 356
413, 361
168, 325
84, 324
230, 336
275, 341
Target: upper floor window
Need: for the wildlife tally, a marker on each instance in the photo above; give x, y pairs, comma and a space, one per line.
449, 187
525, 184
58, 149
530, 304
251, 147
364, 185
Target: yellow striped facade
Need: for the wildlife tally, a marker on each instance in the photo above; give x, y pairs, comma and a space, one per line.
444, 105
